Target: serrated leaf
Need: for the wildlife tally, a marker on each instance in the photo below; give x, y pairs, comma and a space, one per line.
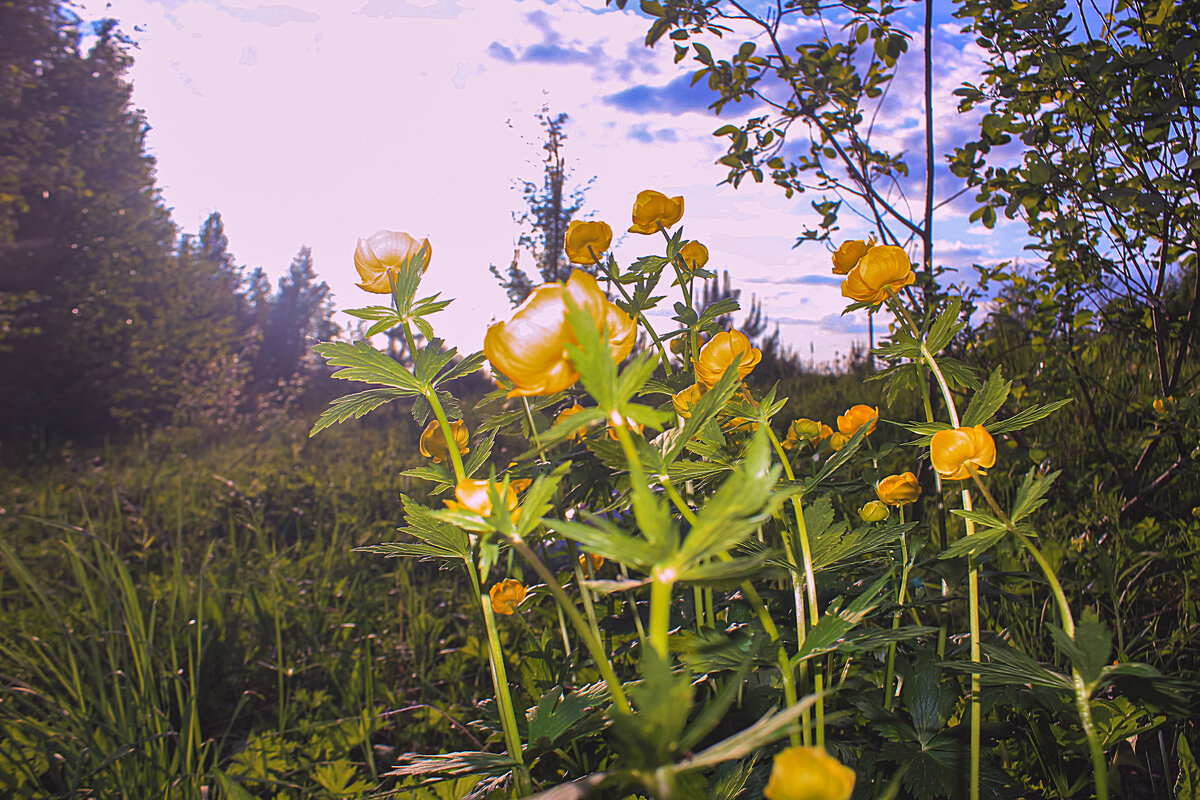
945, 327
1007, 666
987, 402
356, 405
429, 360
451, 765
1025, 418
974, 545
552, 717
1031, 496
1091, 648
835, 623
466, 366
362, 362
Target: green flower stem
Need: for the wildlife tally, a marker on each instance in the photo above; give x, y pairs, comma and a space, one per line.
592, 642
451, 445
662, 352
584, 594
760, 609
533, 431
685, 287
810, 582
889, 692
1082, 693
508, 719
899, 310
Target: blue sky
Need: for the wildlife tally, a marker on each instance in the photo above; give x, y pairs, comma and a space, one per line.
316, 122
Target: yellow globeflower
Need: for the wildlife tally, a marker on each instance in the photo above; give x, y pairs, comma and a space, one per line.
881, 271
685, 399
531, 347
898, 490
652, 208
854, 418
1163, 404
381, 255
874, 511
567, 413
956, 451
433, 443
848, 255
472, 495
581, 234
808, 773
596, 561
837, 440
807, 430
727, 347
507, 595
695, 255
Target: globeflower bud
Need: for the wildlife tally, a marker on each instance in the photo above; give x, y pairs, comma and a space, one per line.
382, 254
957, 451
873, 511
808, 773
695, 255
899, 490
683, 400
567, 413
724, 349
433, 443
848, 255
585, 238
881, 271
507, 595
654, 208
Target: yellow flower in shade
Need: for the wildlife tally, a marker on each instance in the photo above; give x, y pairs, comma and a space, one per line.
881, 271
630, 424
531, 347
507, 595
381, 255
433, 443
956, 451
1163, 404
727, 347
695, 255
652, 208
808, 773
874, 511
472, 495
567, 413
898, 490
805, 430
685, 399
848, 255
584, 238
596, 561
854, 418
837, 440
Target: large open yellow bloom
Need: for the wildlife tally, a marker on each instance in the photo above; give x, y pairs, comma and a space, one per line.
585, 238
507, 595
898, 490
881, 270
531, 347
727, 347
808, 773
381, 254
957, 451
433, 443
652, 208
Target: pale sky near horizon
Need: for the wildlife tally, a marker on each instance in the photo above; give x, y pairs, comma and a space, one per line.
317, 122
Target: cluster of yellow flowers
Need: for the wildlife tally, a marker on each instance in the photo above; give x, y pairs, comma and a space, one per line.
807, 430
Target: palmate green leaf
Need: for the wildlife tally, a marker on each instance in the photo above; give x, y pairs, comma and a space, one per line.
836, 622
466, 366
901, 345
356, 405
1006, 666
770, 726
866, 541
835, 461
872, 641
452, 765
1090, 650
731, 573
437, 539
603, 538
926, 430
976, 544
422, 411
715, 709
429, 360
945, 327
441, 477
928, 698
736, 509
539, 499
724, 306
406, 279
958, 375
373, 312
663, 699
1025, 418
1187, 787
1031, 496
987, 402
552, 717
362, 362
593, 359
480, 451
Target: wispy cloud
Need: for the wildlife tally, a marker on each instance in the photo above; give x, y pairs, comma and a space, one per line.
273, 16
390, 9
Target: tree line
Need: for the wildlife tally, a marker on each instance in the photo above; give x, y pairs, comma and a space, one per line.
112, 318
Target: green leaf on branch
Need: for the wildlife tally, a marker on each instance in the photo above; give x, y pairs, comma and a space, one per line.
1006, 666
1031, 495
837, 622
945, 327
356, 405
987, 402
1090, 650
362, 362
1025, 418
